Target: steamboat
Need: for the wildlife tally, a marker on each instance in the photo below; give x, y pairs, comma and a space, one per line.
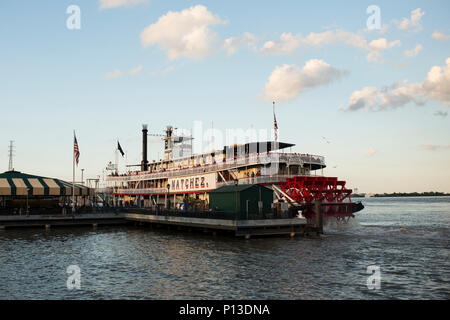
183, 180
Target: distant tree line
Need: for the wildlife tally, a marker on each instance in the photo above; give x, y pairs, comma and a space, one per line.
413, 194
404, 194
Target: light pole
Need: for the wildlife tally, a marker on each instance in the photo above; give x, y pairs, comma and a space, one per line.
236, 182
27, 211
82, 181
167, 198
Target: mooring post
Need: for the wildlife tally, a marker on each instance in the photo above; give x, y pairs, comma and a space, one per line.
94, 226
47, 227
319, 215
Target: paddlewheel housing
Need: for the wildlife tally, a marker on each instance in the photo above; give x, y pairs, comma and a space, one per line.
334, 196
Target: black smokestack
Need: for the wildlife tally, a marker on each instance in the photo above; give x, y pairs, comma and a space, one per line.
144, 163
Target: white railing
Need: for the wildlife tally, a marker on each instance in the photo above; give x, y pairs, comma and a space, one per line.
289, 158
259, 179
253, 180
141, 191
309, 158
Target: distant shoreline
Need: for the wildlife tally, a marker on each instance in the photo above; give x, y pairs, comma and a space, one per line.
402, 194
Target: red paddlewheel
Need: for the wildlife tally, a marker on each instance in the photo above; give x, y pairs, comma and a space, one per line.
335, 197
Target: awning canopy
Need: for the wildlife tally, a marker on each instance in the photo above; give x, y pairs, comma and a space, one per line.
260, 147
15, 183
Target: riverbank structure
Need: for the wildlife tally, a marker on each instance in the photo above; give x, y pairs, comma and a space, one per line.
26, 193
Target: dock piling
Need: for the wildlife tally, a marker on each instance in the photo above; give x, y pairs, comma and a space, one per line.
319, 215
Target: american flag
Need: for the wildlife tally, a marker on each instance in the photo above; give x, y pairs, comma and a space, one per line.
76, 151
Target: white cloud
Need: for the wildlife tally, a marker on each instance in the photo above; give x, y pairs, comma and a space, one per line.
436, 86
231, 45
108, 4
413, 23
361, 98
373, 56
288, 43
376, 47
117, 73
382, 44
186, 33
382, 30
113, 74
437, 83
136, 70
414, 52
371, 152
438, 35
288, 81
168, 69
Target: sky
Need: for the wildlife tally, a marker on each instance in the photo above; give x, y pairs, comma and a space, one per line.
366, 84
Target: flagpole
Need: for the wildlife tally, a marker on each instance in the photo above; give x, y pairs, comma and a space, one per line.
117, 157
73, 176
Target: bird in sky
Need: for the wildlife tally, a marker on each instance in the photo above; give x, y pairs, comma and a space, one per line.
326, 140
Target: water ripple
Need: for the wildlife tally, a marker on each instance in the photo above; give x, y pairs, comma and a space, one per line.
407, 238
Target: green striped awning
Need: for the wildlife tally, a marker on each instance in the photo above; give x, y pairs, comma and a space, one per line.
15, 183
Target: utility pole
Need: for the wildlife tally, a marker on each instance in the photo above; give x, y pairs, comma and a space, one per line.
11, 154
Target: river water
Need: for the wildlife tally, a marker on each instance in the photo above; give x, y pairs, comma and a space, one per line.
407, 239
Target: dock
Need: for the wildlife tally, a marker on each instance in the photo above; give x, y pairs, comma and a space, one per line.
237, 227
48, 221
245, 228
